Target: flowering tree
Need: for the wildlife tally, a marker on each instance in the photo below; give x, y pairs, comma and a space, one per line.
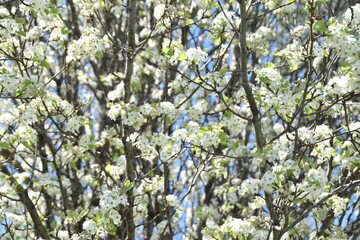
179, 119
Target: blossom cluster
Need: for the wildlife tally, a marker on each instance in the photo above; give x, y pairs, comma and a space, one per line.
89, 44
220, 133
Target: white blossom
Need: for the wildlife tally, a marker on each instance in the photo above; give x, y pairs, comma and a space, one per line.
159, 11
90, 226
196, 55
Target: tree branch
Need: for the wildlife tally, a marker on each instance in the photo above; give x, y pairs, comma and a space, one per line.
129, 151
321, 201
25, 199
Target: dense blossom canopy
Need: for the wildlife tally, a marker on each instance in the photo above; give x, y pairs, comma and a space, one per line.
179, 119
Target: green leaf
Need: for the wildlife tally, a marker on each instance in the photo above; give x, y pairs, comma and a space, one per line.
99, 54
71, 213
182, 56
111, 229
214, 4
217, 41
128, 185
228, 114
92, 146
83, 213
27, 83
54, 9
278, 180
332, 21
20, 20
44, 63
202, 24
206, 128
53, 224
27, 143
345, 65
224, 142
279, 53
167, 51
73, 165
108, 168
19, 181
258, 98
136, 85
257, 153
320, 26
5, 71
97, 218
270, 65
309, 110
151, 174
21, 33
34, 13
222, 72
227, 229
52, 165
239, 206
289, 172
223, 135
18, 93
325, 52
265, 80
64, 30
168, 120
4, 145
